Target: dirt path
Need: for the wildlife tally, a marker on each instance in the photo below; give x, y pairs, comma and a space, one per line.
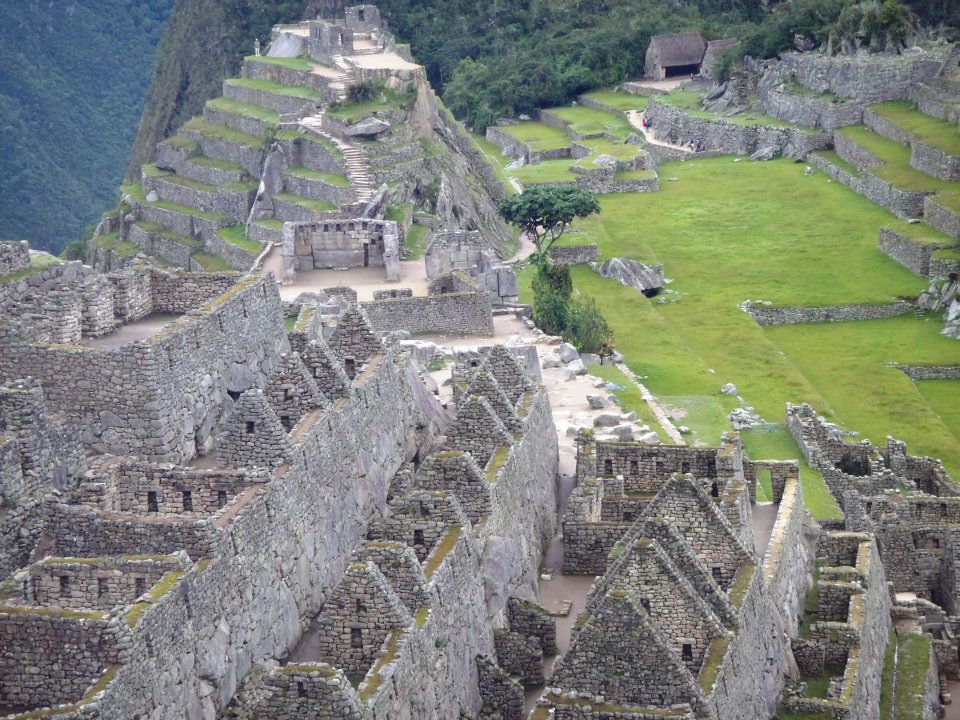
636, 120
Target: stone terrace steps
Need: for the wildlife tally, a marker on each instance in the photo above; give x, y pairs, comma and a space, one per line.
354, 158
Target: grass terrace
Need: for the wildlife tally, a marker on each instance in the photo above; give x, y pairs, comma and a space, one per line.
318, 206
498, 161
930, 131
384, 100
297, 91
236, 235
111, 241
618, 100
549, 171
727, 232
225, 165
183, 143
635, 175
211, 263
39, 261
319, 175
538, 136
589, 121
301, 62
834, 159
219, 132
311, 137
896, 169
621, 150
689, 102
164, 234
258, 112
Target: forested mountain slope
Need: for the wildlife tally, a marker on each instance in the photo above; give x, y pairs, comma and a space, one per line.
73, 76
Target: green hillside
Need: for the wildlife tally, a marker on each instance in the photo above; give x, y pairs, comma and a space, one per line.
73, 77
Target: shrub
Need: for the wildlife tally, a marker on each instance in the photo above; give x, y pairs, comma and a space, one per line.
588, 330
361, 92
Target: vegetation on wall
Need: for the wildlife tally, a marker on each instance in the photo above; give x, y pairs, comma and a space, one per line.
73, 77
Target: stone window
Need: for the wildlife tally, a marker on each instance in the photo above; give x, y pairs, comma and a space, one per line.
711, 467
301, 690
140, 586
221, 497
686, 652
64, 585
660, 466
685, 467
360, 606
714, 489
645, 603
634, 467
418, 537
188, 500
717, 573
285, 421
286, 394
361, 18
629, 515
608, 467
101, 587
152, 505
350, 365
868, 507
251, 427
356, 638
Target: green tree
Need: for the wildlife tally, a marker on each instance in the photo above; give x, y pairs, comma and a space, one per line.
544, 212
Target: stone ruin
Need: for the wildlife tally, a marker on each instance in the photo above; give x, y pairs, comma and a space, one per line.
466, 251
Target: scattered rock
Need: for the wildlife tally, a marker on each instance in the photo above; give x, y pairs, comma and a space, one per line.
650, 438
607, 419
683, 430
729, 389
597, 402
577, 367
590, 359
808, 170
612, 386
552, 361
568, 353
622, 432
630, 416
745, 417
517, 164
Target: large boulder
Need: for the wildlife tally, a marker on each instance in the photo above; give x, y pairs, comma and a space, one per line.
647, 279
369, 127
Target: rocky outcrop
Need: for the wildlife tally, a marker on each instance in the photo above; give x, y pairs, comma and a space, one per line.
647, 279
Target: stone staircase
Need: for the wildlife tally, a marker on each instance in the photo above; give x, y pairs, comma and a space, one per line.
338, 85
355, 160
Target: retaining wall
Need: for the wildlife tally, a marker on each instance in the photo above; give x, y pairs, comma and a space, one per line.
461, 313
828, 313
941, 217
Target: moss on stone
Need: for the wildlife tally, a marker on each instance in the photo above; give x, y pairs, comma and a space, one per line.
712, 662
441, 550
740, 584
154, 595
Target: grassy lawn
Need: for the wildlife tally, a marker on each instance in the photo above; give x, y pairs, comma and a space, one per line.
912, 663
258, 112
730, 231
414, 241
588, 121
930, 131
619, 100
270, 223
539, 136
325, 177
635, 175
629, 399
775, 443
276, 88
236, 235
315, 205
384, 100
896, 158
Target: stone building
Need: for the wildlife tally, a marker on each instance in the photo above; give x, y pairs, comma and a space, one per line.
674, 55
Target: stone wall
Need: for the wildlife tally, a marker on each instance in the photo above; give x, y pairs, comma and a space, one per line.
341, 243
674, 126
162, 397
941, 217
913, 255
905, 205
461, 313
827, 313
826, 112
867, 77
13, 256
454, 250
788, 560
575, 254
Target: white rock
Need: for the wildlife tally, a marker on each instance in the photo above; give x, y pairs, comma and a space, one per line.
729, 389
576, 367
568, 353
551, 361
622, 432
607, 419
651, 438
597, 401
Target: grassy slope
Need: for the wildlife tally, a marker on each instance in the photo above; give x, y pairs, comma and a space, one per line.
730, 231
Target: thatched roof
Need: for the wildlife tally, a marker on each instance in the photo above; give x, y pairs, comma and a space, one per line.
718, 47
680, 49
